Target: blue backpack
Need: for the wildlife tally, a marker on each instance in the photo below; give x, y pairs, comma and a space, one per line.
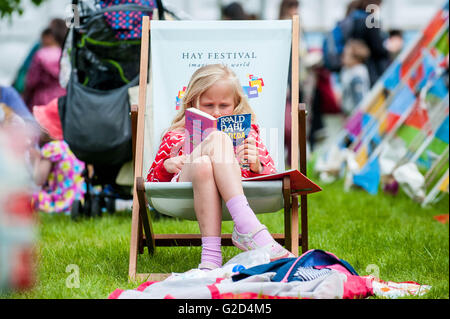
334, 42
300, 268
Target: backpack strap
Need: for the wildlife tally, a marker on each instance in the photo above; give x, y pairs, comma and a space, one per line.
160, 9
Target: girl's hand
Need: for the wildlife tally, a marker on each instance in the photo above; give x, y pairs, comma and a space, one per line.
174, 164
247, 152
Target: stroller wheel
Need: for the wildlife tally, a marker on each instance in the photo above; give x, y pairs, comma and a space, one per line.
110, 204
87, 206
96, 206
75, 210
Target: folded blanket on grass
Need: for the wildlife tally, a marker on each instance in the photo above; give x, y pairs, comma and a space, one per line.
314, 275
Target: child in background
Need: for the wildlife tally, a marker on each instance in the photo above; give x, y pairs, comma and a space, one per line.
355, 78
394, 43
42, 81
56, 169
213, 166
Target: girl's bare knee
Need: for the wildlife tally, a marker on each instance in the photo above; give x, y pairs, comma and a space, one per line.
202, 168
219, 146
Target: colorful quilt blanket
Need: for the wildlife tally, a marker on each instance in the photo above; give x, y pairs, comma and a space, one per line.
314, 275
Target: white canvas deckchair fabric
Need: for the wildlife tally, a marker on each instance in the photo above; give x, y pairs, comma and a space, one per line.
260, 49
258, 52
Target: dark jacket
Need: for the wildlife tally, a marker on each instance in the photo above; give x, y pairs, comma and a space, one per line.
374, 39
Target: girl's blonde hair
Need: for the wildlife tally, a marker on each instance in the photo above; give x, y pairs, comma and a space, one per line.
202, 79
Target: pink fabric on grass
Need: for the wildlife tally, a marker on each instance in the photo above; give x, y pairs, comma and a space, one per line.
116, 294
357, 287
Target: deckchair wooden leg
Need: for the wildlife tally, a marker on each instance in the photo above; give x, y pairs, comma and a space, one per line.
294, 225
140, 236
134, 240
144, 214
134, 116
304, 221
303, 170
291, 234
287, 212
140, 219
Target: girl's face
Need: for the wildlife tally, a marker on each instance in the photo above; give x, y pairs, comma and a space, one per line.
218, 100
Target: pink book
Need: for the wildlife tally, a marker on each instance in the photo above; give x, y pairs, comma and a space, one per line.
198, 125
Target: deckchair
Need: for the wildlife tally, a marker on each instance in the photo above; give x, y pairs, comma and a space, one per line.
176, 199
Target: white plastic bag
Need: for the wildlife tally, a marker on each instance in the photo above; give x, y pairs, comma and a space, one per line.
391, 154
250, 258
411, 180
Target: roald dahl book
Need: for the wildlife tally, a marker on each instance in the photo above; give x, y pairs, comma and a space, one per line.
200, 124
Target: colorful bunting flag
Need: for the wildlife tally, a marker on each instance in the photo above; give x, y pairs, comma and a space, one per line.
402, 101
418, 117
444, 185
443, 131
353, 125
369, 177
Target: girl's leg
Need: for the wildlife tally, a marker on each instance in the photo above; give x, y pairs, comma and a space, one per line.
208, 209
218, 147
207, 201
217, 151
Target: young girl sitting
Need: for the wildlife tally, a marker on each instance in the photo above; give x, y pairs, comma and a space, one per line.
214, 167
56, 169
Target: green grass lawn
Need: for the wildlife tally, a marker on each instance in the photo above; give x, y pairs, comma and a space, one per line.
391, 237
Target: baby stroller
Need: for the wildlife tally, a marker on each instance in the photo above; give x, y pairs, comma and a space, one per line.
99, 65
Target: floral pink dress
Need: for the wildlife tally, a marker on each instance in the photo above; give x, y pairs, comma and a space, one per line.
65, 182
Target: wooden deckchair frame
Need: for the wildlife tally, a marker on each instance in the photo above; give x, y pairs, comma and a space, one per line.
142, 234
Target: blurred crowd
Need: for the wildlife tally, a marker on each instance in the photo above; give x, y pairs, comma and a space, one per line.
335, 78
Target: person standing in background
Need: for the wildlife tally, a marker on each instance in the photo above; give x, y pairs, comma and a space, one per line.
42, 80
60, 29
395, 43
355, 79
369, 31
234, 11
